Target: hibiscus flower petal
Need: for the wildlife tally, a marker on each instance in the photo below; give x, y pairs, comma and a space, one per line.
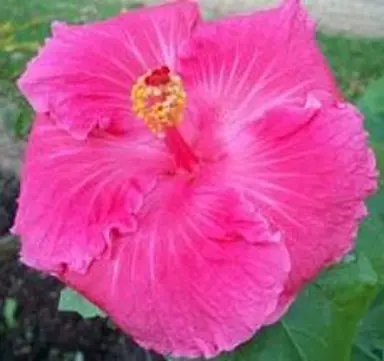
84, 73
245, 65
309, 178
76, 196
201, 275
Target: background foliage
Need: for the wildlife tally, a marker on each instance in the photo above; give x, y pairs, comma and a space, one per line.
340, 317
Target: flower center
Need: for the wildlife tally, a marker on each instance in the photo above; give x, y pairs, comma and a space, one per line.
158, 97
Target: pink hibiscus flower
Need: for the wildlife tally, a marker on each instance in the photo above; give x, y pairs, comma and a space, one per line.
187, 177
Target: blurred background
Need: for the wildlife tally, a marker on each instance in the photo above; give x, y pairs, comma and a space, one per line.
351, 33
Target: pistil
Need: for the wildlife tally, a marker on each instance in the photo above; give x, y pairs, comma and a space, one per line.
181, 151
159, 98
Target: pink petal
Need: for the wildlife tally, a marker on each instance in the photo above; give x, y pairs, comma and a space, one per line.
243, 66
189, 282
84, 74
77, 196
309, 178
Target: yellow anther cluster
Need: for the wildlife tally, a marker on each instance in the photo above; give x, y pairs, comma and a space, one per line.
160, 106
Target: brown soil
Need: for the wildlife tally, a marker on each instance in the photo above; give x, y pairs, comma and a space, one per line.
41, 333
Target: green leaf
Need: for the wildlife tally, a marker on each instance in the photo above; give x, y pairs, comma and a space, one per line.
15, 114
74, 302
321, 324
372, 105
369, 344
9, 312
371, 235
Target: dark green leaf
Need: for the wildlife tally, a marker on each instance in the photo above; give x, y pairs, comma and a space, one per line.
371, 235
74, 302
321, 324
369, 344
372, 105
370, 339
